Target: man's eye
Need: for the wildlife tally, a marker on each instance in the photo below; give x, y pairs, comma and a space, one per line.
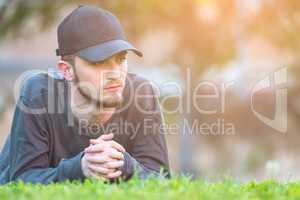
121, 59
95, 64
100, 64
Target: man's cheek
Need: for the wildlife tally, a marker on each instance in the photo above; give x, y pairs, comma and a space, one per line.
101, 90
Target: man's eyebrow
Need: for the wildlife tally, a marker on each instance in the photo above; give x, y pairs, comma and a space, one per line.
95, 63
122, 53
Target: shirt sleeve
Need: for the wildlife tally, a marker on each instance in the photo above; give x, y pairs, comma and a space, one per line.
29, 151
147, 155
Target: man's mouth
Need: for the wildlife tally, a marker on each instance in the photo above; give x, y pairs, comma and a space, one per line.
113, 87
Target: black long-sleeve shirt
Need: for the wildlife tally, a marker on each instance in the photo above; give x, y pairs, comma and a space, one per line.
46, 144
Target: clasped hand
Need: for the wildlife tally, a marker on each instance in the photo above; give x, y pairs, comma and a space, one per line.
103, 158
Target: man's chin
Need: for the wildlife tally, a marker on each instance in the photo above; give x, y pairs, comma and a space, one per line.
111, 104
111, 101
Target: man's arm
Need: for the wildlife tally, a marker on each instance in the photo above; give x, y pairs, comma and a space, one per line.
148, 152
29, 150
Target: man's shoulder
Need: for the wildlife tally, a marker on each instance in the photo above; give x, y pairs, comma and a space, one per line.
140, 83
34, 85
141, 93
136, 78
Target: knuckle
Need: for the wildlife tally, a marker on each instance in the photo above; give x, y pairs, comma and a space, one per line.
109, 150
118, 154
105, 157
109, 165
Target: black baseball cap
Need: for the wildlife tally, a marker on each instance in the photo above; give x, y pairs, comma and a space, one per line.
93, 34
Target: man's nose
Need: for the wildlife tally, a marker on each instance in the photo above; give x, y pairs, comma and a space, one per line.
113, 74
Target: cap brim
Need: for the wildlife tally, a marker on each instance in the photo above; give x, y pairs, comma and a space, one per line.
105, 50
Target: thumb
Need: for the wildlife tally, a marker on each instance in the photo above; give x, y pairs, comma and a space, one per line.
106, 137
94, 141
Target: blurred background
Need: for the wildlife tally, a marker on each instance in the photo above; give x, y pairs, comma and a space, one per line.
236, 48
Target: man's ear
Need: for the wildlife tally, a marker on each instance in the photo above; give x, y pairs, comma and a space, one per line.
66, 69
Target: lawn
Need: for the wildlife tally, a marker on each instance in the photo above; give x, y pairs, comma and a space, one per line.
176, 188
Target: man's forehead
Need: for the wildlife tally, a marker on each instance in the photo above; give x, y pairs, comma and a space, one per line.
122, 53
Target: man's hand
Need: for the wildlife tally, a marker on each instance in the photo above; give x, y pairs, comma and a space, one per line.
103, 158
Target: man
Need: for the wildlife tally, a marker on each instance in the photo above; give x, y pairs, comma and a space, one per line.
92, 119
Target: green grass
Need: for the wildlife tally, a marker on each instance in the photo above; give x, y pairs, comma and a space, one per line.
176, 188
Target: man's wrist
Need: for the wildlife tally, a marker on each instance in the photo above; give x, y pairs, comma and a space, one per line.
128, 168
71, 168
83, 165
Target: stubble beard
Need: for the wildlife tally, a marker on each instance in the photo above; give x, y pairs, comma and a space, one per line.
106, 101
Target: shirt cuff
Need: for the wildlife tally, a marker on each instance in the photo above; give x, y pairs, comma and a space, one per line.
71, 168
128, 168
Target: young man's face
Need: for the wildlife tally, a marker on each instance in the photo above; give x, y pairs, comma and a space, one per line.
104, 81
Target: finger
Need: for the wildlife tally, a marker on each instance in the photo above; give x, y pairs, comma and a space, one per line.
95, 148
99, 169
115, 154
104, 137
94, 174
97, 158
102, 177
114, 164
99, 175
94, 141
115, 174
117, 146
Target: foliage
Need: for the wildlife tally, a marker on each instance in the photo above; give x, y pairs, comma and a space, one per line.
175, 188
